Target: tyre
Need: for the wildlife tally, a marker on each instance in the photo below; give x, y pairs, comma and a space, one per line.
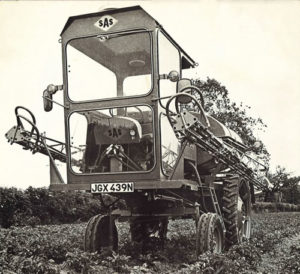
209, 234
143, 228
236, 208
98, 237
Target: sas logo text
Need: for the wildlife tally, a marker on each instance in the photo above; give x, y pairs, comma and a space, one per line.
106, 22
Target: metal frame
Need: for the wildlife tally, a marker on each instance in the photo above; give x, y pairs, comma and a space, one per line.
145, 99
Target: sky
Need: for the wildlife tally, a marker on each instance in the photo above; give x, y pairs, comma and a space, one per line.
251, 47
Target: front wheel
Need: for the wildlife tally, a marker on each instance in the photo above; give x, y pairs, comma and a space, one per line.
209, 234
101, 234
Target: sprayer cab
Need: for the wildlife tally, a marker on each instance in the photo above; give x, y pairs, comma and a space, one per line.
116, 64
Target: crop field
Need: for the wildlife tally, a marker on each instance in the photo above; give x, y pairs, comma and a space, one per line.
274, 248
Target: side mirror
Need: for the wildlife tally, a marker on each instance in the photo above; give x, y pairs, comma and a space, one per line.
173, 76
184, 85
47, 99
47, 96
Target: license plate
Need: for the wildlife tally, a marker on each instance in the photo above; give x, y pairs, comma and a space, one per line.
112, 187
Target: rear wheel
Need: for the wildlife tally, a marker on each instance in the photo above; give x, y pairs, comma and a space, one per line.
236, 209
209, 234
101, 234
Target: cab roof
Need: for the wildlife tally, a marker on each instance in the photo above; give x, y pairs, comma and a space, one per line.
128, 18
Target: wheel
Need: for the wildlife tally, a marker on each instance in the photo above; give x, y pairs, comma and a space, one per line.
209, 234
236, 207
143, 228
98, 237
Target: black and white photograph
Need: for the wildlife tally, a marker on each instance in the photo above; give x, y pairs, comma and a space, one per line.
150, 136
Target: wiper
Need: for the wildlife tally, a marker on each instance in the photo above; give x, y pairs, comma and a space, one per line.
104, 37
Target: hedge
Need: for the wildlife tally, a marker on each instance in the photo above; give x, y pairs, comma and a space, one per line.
39, 206
274, 207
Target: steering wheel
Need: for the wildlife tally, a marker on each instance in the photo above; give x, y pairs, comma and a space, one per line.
32, 122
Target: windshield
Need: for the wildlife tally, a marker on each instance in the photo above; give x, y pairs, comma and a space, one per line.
112, 140
107, 66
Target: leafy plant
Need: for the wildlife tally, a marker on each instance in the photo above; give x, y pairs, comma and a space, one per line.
59, 249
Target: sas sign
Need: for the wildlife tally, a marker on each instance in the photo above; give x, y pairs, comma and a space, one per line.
106, 22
